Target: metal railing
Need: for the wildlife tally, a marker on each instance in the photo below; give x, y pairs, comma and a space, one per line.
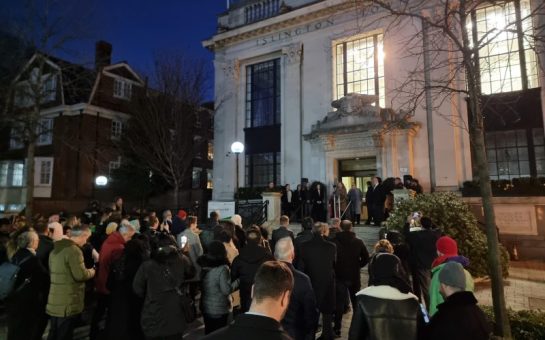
252, 212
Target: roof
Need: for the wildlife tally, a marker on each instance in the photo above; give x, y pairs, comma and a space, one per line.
77, 81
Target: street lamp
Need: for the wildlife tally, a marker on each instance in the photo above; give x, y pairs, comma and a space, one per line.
101, 181
237, 148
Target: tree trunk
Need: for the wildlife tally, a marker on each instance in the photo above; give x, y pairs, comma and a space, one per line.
29, 180
176, 197
476, 130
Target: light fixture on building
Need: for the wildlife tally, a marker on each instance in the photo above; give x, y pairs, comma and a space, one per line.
101, 181
237, 147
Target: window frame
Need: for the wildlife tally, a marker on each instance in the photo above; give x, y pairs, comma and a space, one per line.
122, 89
116, 129
255, 118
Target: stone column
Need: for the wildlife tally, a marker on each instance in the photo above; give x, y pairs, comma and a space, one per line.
226, 129
291, 134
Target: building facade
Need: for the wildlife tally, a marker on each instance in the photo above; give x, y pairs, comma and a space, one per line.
281, 65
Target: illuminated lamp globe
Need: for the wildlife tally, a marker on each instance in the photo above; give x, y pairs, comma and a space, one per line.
237, 147
101, 181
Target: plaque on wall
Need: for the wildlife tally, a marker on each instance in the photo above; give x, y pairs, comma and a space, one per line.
516, 219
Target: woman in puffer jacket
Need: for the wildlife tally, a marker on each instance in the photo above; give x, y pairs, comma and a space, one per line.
217, 287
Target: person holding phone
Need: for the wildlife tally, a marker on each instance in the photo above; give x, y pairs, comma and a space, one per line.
190, 238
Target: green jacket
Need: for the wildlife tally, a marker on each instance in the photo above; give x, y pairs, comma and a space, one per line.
435, 296
68, 276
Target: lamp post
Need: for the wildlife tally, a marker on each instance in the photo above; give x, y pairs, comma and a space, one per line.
101, 181
237, 148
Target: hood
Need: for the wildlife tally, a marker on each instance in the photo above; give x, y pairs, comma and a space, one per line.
252, 253
345, 237
386, 292
440, 261
208, 262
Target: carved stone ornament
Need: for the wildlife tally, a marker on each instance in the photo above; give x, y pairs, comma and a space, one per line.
293, 53
231, 69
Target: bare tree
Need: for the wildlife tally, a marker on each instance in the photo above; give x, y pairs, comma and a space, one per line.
446, 46
41, 29
160, 130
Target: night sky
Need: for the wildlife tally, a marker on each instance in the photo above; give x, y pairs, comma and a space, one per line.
139, 29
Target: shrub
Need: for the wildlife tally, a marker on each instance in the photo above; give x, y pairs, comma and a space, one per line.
455, 219
525, 324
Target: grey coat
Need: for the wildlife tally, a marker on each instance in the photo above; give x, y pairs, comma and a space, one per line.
216, 288
355, 196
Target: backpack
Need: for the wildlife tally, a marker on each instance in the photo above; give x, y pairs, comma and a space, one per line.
9, 272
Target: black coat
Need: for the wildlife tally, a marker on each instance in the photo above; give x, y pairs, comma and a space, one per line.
44, 249
377, 196
162, 315
302, 237
422, 247
29, 300
279, 233
248, 326
459, 317
317, 260
352, 255
302, 315
244, 268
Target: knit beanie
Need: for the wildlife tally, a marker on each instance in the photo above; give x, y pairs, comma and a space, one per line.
452, 274
447, 246
182, 214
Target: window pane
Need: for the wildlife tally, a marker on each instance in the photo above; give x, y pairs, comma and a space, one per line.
263, 94
17, 175
538, 136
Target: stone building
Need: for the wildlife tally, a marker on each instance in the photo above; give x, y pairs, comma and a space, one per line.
279, 65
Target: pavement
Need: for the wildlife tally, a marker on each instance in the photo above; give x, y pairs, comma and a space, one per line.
524, 289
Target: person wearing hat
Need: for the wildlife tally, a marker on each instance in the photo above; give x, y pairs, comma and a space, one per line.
386, 309
447, 251
458, 317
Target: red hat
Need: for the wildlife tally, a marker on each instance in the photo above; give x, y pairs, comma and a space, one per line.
447, 246
182, 214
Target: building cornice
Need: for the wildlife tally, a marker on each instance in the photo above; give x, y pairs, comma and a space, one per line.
83, 108
304, 14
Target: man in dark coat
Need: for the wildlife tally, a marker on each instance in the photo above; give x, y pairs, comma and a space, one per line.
282, 231
305, 235
207, 233
246, 264
301, 318
272, 291
317, 260
42, 253
377, 199
458, 317
318, 202
352, 255
368, 199
422, 252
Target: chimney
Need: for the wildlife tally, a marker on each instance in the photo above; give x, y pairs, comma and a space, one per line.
103, 54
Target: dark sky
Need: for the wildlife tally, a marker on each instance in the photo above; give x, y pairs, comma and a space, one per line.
138, 29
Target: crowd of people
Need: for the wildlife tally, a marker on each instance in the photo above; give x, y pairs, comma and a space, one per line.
145, 277
311, 200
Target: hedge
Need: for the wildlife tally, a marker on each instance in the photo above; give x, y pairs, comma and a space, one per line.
525, 324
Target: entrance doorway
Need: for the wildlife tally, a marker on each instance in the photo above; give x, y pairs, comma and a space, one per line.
357, 171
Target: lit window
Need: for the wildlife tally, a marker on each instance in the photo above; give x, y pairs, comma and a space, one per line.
49, 88
209, 179
501, 54
114, 165
263, 94
45, 131
196, 178
45, 172
117, 129
122, 89
17, 174
210, 151
4, 168
359, 67
262, 168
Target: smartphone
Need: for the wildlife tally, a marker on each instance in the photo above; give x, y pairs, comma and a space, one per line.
183, 241
424, 313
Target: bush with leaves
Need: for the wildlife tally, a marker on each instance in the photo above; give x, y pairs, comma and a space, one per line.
455, 219
525, 324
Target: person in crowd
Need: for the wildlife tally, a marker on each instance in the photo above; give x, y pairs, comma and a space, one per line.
297, 203
158, 281
317, 260
207, 234
355, 197
179, 223
306, 193
123, 319
301, 318
229, 226
401, 249
303, 236
384, 246
55, 228
398, 183
386, 309
193, 241
377, 197
29, 298
334, 228
112, 249
447, 251
271, 295
422, 253
166, 222
5, 229
318, 198
282, 231
67, 291
352, 255
217, 287
458, 317
99, 235
287, 200
45, 245
118, 208
226, 237
368, 202
239, 231
245, 266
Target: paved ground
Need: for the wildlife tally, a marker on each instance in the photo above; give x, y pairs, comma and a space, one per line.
524, 289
